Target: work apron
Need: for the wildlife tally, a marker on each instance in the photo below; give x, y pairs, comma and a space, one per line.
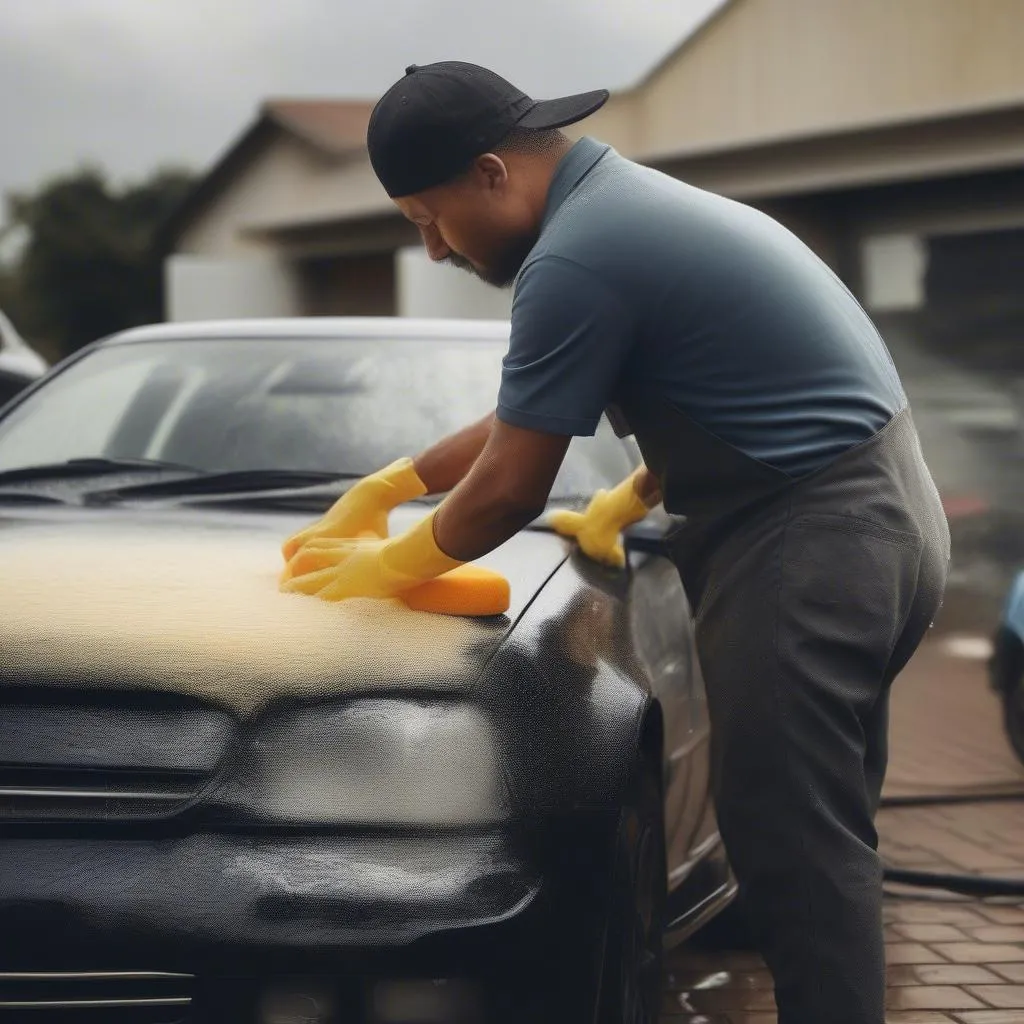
809, 597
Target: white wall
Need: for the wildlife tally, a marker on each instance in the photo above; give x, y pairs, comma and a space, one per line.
425, 289
202, 288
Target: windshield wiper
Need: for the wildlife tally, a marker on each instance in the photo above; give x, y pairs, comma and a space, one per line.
28, 498
89, 467
231, 482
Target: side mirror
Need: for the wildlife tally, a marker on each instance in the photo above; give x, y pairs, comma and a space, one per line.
646, 539
651, 534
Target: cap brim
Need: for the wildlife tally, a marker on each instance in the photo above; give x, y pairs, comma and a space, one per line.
566, 110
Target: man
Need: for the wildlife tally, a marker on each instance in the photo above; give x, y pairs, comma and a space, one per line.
768, 412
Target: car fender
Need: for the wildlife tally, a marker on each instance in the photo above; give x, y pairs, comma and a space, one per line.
570, 703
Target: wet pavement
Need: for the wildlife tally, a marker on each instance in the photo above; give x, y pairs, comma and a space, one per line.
950, 958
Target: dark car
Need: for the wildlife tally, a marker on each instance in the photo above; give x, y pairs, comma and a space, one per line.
221, 802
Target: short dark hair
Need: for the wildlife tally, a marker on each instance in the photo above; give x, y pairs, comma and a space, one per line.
524, 142
533, 141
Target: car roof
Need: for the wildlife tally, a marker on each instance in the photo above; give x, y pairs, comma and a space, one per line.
406, 328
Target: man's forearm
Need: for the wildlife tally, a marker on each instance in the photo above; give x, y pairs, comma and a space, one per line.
443, 465
470, 525
506, 487
485, 509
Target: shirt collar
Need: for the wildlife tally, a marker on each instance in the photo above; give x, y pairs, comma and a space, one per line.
571, 170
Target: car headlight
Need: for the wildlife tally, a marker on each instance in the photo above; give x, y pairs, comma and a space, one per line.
380, 761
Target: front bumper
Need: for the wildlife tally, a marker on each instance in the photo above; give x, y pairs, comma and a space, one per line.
501, 907
208, 894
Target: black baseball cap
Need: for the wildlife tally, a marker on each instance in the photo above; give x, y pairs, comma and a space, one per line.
429, 125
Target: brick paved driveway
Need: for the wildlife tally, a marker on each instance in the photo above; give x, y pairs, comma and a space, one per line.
950, 959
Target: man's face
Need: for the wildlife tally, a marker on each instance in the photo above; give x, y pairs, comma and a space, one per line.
480, 223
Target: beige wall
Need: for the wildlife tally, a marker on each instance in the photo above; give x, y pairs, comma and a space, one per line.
289, 183
771, 69
273, 179
617, 123
340, 190
201, 287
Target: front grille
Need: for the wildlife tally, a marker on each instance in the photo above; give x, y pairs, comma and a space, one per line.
85, 997
70, 795
77, 756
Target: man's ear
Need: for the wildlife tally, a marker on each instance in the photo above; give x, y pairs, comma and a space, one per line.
493, 171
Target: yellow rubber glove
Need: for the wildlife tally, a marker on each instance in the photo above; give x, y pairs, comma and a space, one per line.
468, 590
369, 566
364, 507
598, 529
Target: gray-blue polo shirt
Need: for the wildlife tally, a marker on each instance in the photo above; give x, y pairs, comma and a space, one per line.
698, 299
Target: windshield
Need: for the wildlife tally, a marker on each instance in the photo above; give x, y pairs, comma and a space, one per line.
225, 405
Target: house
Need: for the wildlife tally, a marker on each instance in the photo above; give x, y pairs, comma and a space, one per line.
889, 135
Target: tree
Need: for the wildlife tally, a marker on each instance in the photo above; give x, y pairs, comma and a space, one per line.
91, 264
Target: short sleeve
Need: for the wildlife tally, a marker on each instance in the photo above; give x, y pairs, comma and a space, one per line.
570, 338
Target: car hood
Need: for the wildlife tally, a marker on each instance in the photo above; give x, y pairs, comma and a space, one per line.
186, 601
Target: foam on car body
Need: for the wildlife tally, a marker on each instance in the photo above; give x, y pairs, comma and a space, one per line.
200, 613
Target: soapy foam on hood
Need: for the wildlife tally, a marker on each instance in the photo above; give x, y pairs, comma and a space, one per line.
200, 613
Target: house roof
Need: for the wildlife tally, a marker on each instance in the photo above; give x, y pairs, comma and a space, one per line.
336, 128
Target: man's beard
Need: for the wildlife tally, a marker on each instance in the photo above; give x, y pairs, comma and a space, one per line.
501, 270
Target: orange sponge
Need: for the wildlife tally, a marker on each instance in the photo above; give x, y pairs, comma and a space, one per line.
466, 590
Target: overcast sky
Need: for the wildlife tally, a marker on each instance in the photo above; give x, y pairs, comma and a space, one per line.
132, 84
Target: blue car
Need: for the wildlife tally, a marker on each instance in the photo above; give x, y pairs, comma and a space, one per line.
1006, 665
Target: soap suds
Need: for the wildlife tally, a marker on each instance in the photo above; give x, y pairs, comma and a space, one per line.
200, 613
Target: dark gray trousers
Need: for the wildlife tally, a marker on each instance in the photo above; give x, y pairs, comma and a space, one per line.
808, 614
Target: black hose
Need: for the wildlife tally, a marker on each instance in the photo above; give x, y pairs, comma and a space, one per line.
946, 799
965, 885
